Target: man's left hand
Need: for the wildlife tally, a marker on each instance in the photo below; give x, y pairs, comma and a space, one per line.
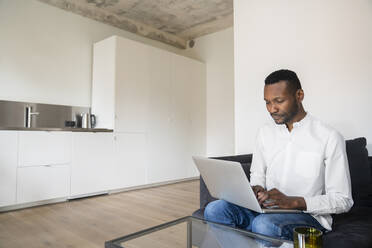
280, 200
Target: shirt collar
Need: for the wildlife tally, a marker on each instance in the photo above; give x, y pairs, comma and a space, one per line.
303, 121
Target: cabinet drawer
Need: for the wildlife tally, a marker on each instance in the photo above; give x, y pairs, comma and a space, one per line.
42, 183
44, 148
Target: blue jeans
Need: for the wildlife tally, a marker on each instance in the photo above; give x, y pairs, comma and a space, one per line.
274, 225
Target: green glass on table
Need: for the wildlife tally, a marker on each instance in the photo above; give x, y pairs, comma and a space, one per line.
307, 237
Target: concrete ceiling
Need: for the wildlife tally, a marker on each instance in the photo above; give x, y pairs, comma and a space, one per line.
170, 21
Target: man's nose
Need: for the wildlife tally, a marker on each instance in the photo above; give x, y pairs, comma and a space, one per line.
273, 109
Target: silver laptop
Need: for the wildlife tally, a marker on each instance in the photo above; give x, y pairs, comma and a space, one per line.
226, 180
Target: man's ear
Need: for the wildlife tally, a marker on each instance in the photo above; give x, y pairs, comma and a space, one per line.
300, 95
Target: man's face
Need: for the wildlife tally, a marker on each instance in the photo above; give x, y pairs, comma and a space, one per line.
281, 103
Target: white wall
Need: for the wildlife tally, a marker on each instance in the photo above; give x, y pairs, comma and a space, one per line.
217, 50
46, 53
328, 43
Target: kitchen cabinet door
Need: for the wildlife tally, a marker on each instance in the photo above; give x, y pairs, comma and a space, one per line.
187, 130
130, 160
39, 183
44, 148
132, 85
92, 163
103, 82
8, 167
159, 168
197, 112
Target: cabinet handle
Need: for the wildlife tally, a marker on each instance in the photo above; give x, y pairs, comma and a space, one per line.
48, 165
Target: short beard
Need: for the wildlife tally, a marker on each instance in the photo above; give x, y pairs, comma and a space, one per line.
290, 114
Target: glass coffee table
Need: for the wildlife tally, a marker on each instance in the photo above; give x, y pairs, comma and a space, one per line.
191, 232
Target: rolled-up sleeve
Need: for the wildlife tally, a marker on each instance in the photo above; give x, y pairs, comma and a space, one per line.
337, 198
258, 166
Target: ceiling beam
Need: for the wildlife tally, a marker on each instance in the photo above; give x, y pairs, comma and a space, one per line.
121, 22
209, 27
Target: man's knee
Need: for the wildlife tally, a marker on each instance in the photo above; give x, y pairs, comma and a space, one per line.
217, 210
266, 224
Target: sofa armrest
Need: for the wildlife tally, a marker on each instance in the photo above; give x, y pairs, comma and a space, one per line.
244, 160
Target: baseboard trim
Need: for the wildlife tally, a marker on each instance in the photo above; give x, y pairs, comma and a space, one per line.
32, 204
151, 185
76, 197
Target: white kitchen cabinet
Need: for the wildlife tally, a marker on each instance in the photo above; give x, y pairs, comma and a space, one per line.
158, 145
188, 127
132, 86
130, 168
44, 148
92, 167
37, 183
158, 111
43, 165
120, 84
188, 115
128, 74
8, 167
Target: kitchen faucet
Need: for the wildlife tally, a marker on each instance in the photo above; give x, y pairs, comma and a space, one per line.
28, 115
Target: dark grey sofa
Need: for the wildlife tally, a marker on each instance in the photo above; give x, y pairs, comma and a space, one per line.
352, 229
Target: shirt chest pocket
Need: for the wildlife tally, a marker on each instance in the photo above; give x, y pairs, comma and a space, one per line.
308, 164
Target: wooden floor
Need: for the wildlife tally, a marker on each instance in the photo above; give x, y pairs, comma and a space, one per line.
90, 222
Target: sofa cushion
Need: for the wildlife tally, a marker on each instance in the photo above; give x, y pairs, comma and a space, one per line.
360, 171
352, 229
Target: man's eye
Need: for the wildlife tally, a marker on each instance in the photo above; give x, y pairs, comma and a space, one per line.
280, 101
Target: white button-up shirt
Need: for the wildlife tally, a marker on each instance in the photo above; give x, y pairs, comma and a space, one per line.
310, 161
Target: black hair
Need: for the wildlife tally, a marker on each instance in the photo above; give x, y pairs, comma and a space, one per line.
293, 83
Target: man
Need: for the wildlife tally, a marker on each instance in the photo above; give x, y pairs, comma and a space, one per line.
299, 163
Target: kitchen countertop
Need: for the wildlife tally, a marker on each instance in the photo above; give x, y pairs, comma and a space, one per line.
64, 129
